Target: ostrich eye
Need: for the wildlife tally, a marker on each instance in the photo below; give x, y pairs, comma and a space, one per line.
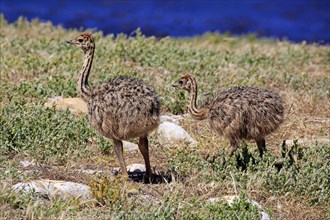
80, 40
180, 82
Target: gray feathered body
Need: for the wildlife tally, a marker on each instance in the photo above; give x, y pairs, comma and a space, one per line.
245, 113
124, 108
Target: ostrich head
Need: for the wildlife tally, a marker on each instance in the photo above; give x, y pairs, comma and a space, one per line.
84, 41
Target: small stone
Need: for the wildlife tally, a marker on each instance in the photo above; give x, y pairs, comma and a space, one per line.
136, 168
116, 170
169, 133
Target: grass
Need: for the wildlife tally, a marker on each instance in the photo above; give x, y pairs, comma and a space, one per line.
36, 64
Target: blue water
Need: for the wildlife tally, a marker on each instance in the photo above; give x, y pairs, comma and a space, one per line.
294, 20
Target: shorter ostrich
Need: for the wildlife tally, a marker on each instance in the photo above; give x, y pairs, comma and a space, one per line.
238, 113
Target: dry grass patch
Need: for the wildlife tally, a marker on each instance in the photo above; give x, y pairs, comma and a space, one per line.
36, 64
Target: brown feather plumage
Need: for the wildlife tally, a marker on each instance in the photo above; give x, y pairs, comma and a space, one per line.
119, 109
241, 112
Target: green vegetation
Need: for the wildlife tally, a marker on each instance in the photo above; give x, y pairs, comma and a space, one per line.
36, 64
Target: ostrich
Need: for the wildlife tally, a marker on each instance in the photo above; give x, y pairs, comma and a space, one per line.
119, 109
238, 113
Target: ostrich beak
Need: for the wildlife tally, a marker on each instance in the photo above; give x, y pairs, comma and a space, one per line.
70, 42
175, 85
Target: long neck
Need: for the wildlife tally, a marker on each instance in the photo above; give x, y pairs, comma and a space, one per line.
83, 87
197, 113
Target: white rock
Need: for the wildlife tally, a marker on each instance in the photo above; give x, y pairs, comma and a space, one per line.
116, 169
54, 188
129, 146
136, 168
230, 200
169, 133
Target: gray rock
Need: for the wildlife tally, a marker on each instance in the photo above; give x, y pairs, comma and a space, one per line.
54, 188
169, 133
